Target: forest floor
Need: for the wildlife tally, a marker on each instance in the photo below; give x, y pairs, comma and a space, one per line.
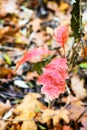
25, 25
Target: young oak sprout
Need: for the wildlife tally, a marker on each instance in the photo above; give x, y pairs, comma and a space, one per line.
55, 73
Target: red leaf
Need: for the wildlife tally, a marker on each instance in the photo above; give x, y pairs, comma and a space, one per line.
61, 35
53, 78
34, 55
53, 92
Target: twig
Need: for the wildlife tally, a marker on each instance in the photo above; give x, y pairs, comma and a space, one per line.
31, 119
81, 115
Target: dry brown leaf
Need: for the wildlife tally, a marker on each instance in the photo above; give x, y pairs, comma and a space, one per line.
12, 31
5, 72
40, 38
8, 31
77, 86
31, 75
83, 120
3, 125
3, 31
4, 107
56, 115
26, 111
62, 114
8, 6
58, 127
35, 23
76, 109
84, 52
53, 6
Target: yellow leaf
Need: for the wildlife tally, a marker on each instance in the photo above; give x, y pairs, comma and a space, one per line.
26, 111
29, 125
56, 115
63, 6
4, 107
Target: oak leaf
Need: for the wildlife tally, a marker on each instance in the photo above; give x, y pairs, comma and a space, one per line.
53, 78
55, 115
26, 111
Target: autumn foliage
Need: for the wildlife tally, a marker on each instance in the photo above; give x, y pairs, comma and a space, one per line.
61, 35
53, 78
55, 73
34, 55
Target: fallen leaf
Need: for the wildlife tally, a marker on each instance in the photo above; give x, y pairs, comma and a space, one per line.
83, 120
58, 127
29, 125
20, 38
3, 31
8, 32
26, 111
36, 24
8, 6
75, 109
31, 75
4, 107
84, 51
56, 115
40, 38
5, 72
3, 125
77, 86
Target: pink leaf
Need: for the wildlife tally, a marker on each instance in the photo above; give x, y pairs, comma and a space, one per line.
61, 35
53, 92
34, 55
53, 78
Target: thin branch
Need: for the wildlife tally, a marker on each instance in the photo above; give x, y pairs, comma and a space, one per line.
81, 115
31, 119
